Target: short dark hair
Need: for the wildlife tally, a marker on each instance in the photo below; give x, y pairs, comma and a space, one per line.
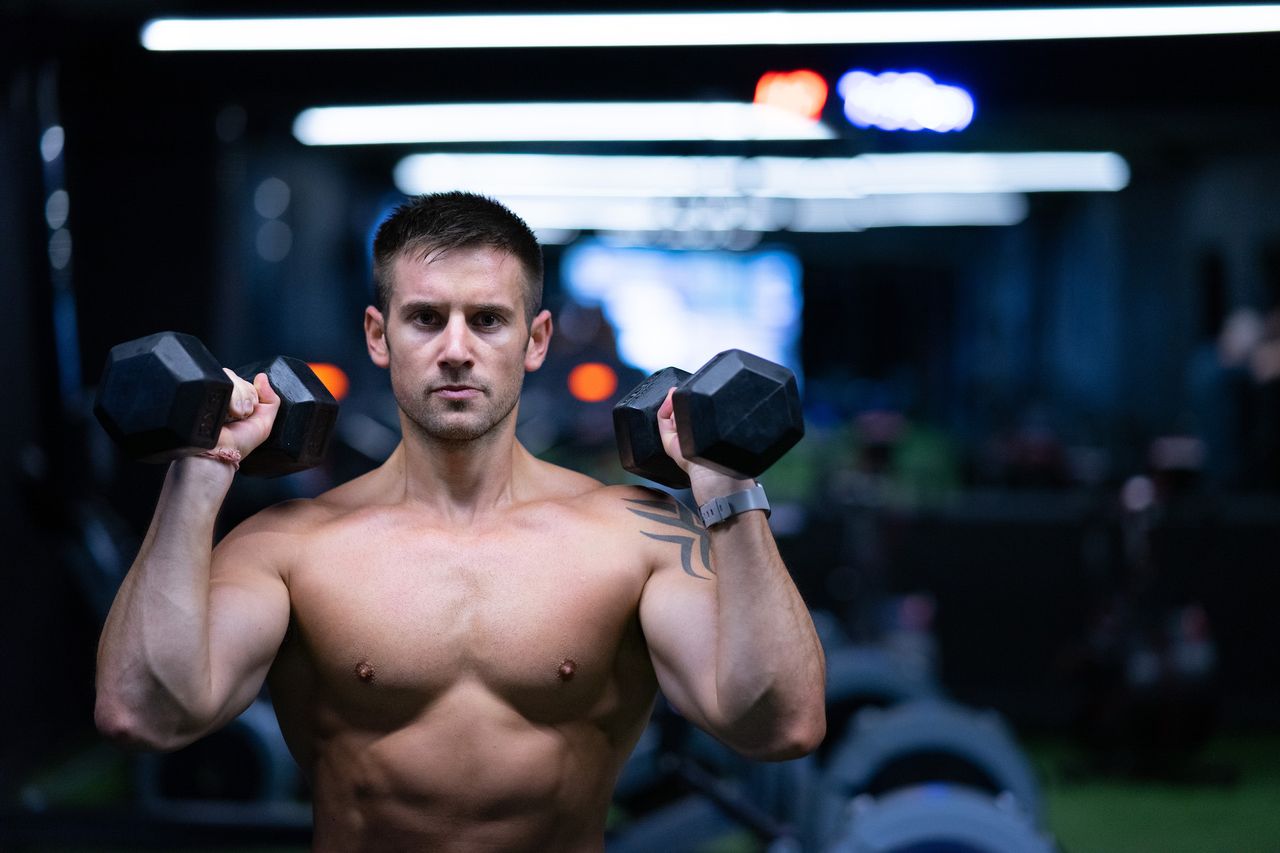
451, 220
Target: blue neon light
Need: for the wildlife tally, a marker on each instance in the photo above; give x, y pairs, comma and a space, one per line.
909, 100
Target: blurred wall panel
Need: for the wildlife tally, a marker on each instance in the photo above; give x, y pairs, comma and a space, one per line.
43, 639
140, 171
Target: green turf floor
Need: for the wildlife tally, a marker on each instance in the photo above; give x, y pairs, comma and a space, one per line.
1091, 814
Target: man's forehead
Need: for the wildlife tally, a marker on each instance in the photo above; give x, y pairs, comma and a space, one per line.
429, 255
445, 272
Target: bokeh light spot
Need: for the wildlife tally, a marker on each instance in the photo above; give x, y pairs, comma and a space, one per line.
333, 377
592, 382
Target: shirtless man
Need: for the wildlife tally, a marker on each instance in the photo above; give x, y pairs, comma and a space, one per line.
464, 644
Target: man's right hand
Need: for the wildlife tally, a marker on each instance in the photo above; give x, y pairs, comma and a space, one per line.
250, 414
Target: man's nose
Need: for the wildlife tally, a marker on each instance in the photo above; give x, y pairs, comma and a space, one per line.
455, 346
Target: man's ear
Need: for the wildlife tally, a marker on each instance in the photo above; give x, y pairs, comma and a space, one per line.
535, 351
375, 336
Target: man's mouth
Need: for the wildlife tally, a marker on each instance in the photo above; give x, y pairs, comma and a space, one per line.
456, 392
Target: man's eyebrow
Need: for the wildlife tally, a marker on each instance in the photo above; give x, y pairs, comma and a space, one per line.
481, 307
418, 305
492, 308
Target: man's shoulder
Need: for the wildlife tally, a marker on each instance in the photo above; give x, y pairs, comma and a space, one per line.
630, 493
306, 516
622, 501
289, 518
655, 527
565, 486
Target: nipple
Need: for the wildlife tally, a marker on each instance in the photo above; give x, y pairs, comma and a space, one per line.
364, 671
567, 669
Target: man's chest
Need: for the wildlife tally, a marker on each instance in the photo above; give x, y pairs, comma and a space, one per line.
545, 627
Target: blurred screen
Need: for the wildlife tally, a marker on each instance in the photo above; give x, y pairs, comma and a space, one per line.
681, 307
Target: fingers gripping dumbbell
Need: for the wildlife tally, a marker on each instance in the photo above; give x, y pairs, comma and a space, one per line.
308, 411
164, 394
738, 414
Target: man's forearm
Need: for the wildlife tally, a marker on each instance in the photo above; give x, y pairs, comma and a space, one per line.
770, 670
153, 675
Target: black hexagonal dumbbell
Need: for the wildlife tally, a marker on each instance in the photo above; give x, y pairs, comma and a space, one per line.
738, 414
164, 394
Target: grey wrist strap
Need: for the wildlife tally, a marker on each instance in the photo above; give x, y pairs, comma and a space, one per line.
722, 509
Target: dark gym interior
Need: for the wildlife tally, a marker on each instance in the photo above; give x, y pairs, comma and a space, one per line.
1036, 510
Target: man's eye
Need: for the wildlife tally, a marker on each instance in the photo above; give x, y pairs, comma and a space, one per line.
488, 320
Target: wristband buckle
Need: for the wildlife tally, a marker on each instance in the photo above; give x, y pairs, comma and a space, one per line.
719, 510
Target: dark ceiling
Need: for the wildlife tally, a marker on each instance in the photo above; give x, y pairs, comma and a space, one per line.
1177, 95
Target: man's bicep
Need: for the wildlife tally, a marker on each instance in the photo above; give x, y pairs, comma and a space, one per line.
248, 617
678, 617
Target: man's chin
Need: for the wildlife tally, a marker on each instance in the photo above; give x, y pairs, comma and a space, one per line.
460, 422
454, 428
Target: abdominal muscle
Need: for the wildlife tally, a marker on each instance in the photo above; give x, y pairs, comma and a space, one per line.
467, 774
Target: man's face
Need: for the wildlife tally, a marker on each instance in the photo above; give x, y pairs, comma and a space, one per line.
455, 339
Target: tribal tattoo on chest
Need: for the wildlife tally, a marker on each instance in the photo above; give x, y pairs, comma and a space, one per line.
674, 514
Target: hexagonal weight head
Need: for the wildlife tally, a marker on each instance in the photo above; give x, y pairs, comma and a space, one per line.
635, 424
161, 394
300, 435
739, 414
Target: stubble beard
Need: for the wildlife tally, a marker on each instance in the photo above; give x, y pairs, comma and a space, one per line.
460, 422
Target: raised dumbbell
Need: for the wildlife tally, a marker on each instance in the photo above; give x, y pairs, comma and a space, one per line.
164, 394
738, 414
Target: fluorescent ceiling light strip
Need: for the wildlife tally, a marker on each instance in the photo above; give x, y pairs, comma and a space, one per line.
676, 29
986, 209
602, 176
981, 173
585, 176
634, 215
550, 122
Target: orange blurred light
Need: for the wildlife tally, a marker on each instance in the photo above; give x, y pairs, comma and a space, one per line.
801, 92
333, 377
592, 382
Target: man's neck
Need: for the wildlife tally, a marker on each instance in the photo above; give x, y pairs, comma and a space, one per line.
461, 480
